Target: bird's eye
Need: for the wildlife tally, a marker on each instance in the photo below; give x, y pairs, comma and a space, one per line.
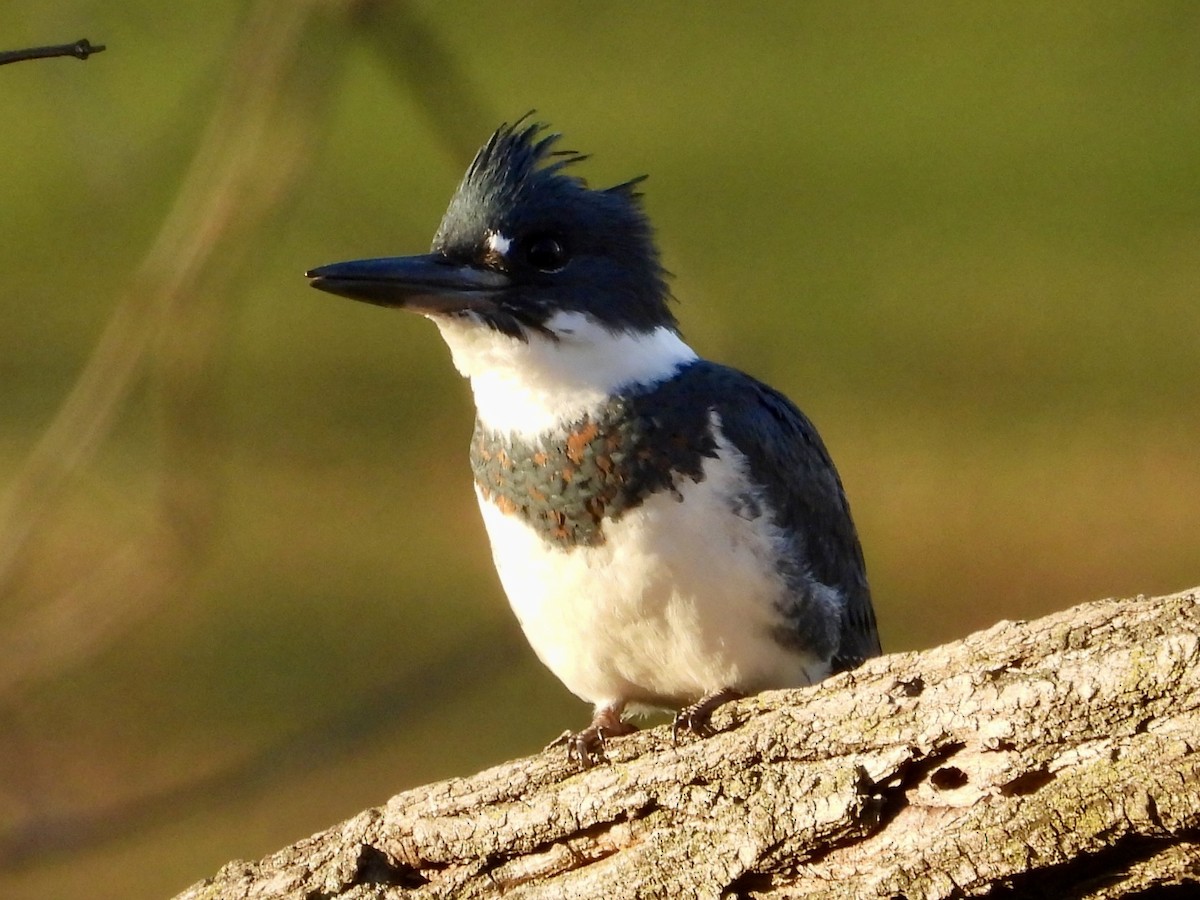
546, 253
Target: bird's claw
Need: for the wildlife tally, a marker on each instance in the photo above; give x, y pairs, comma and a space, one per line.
697, 718
590, 746
587, 747
689, 719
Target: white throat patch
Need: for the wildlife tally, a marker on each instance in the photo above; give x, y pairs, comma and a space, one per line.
525, 388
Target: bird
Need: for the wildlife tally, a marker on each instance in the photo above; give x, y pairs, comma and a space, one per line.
670, 532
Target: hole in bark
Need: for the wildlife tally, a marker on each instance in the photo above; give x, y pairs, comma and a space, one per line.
893, 794
1027, 783
948, 777
749, 885
376, 867
912, 687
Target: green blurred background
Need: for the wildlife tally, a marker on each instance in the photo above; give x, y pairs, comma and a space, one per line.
243, 588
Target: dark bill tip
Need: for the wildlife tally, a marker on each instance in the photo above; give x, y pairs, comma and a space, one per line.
428, 283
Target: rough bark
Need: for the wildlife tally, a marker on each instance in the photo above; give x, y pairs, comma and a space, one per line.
1054, 758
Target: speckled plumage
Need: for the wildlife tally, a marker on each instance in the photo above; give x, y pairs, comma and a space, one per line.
565, 484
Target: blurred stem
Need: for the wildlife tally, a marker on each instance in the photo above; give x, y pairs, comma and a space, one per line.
249, 157
172, 319
420, 60
248, 161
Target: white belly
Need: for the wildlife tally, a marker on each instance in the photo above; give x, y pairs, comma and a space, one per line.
666, 610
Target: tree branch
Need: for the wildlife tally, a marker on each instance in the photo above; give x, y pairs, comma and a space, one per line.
1053, 758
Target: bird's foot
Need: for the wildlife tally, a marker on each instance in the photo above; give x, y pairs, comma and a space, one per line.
697, 718
590, 746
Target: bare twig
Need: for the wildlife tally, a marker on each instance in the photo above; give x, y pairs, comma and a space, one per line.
81, 49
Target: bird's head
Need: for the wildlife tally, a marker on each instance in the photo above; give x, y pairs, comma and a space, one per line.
527, 250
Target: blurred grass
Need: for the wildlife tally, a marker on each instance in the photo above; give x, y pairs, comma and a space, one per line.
963, 237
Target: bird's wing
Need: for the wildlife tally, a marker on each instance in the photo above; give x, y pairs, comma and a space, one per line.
787, 457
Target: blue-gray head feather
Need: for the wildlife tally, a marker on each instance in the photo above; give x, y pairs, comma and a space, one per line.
519, 187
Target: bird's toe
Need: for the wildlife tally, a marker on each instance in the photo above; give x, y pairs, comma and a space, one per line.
696, 719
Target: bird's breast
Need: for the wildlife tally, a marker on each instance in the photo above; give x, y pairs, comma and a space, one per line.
566, 484
652, 597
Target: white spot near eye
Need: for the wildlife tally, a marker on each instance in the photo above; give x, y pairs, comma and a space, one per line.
498, 243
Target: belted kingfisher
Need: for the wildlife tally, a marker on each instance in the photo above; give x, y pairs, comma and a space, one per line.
670, 532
